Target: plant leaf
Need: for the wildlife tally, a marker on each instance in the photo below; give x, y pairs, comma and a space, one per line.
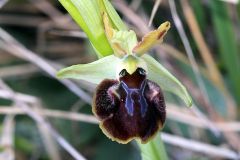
95, 72
87, 15
160, 75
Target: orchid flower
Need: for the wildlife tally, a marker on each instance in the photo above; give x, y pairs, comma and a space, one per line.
128, 100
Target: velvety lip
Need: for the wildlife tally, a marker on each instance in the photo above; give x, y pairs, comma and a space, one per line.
129, 112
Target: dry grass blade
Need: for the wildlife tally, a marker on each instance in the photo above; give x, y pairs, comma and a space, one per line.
232, 138
41, 121
202, 46
187, 117
26, 21
3, 2
77, 34
50, 10
174, 113
154, 11
7, 139
15, 48
193, 61
49, 144
48, 139
174, 53
54, 114
188, 49
212, 70
170, 139
17, 70
214, 151
134, 18
20, 96
135, 4
30, 69
231, 1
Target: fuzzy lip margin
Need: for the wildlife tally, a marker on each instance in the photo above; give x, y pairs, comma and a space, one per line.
144, 137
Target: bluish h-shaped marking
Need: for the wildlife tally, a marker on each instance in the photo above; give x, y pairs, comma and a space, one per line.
129, 101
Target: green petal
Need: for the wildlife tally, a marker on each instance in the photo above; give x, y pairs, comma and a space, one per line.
95, 72
151, 39
87, 15
160, 75
126, 39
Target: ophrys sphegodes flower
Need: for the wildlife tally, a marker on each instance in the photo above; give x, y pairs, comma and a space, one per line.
128, 100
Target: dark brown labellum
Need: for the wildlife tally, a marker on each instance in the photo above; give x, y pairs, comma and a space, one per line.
132, 107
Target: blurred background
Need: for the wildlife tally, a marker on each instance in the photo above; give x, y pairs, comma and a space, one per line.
45, 118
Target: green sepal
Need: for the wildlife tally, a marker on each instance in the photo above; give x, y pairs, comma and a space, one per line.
95, 72
158, 74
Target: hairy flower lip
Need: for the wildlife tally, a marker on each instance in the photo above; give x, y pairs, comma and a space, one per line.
113, 120
132, 107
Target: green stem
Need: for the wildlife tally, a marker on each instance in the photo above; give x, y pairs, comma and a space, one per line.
153, 150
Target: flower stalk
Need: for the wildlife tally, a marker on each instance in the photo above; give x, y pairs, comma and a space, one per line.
154, 150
